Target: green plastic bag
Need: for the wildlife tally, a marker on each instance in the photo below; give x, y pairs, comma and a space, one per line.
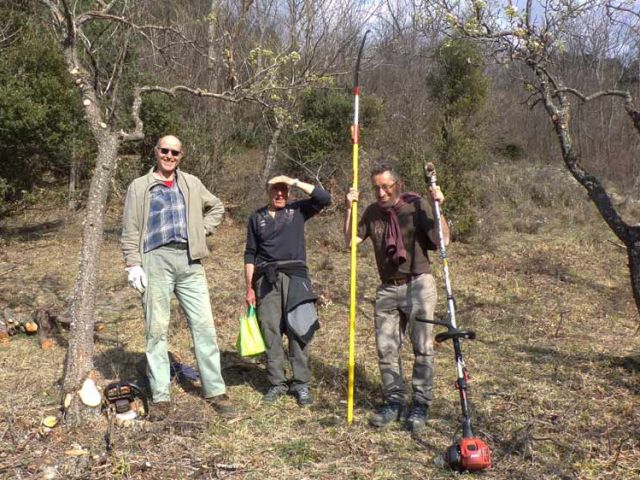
250, 340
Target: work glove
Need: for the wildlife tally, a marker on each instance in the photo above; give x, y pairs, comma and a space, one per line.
137, 278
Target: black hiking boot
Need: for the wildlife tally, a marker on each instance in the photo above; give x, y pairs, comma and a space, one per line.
304, 396
418, 417
386, 414
274, 393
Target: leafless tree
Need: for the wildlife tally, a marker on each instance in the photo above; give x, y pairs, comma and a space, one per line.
313, 40
542, 37
401, 58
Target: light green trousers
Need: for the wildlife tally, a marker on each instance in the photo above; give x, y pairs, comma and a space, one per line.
169, 271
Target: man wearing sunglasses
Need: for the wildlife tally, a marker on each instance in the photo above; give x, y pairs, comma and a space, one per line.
402, 229
167, 214
277, 280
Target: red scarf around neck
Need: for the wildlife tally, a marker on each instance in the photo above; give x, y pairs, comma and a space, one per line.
394, 246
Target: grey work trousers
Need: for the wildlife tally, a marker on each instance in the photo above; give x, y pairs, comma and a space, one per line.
271, 309
396, 308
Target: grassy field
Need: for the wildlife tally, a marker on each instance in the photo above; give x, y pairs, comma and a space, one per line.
555, 371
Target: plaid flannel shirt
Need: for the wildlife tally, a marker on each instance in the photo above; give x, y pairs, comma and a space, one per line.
167, 217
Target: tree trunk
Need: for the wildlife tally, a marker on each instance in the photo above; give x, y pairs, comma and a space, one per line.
272, 150
74, 174
633, 253
212, 51
79, 360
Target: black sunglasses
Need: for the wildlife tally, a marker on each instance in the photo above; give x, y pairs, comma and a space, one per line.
165, 151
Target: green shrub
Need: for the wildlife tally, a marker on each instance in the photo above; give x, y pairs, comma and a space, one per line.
459, 87
320, 143
161, 115
512, 151
41, 117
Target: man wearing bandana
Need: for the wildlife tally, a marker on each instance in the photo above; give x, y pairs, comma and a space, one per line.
402, 229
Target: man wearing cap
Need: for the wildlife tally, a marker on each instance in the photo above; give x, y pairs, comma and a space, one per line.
402, 229
167, 214
277, 283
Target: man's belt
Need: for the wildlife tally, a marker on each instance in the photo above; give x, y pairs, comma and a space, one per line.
399, 281
177, 245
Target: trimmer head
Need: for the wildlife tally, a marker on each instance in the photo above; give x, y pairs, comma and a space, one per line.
468, 454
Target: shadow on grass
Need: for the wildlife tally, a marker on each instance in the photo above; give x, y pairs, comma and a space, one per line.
112, 233
31, 232
581, 362
118, 363
325, 378
60, 335
332, 381
239, 370
630, 364
123, 366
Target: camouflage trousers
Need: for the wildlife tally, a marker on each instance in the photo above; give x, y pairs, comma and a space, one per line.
396, 310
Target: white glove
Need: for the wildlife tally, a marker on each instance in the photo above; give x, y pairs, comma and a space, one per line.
137, 278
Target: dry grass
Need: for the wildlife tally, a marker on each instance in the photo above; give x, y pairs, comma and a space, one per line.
555, 370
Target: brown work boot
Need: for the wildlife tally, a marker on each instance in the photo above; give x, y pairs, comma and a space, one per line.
222, 404
159, 411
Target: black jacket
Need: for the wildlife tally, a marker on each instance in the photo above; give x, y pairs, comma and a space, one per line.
302, 318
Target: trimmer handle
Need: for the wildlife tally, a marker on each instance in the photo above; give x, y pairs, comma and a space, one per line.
455, 334
430, 174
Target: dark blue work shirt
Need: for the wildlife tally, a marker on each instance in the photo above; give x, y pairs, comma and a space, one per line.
282, 237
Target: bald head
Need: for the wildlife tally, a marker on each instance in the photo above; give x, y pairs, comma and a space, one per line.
172, 139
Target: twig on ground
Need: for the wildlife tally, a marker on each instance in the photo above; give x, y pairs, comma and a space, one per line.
619, 245
108, 339
10, 465
223, 470
26, 441
192, 422
9, 419
7, 271
557, 332
615, 460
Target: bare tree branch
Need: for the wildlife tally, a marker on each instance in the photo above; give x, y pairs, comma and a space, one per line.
604, 93
138, 134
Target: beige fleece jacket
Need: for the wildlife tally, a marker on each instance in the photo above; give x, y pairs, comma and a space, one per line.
204, 214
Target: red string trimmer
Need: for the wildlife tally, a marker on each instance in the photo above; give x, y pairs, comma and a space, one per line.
469, 452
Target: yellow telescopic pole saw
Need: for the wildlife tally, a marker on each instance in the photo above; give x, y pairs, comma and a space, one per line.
355, 136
